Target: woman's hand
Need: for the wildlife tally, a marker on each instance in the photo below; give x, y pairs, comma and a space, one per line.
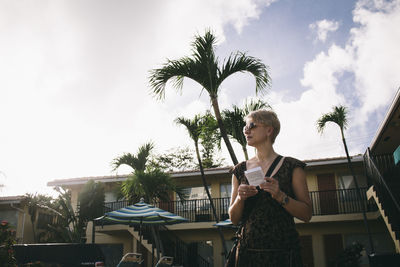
271, 186
245, 191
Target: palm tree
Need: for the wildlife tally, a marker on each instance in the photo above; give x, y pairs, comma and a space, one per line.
203, 67
194, 127
145, 181
137, 162
234, 121
339, 117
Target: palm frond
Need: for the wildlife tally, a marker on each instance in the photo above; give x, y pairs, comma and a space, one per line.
338, 116
240, 62
192, 126
253, 105
234, 123
136, 162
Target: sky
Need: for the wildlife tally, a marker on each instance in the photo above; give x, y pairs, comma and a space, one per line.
74, 90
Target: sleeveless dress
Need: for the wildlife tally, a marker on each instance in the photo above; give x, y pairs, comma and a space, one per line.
269, 236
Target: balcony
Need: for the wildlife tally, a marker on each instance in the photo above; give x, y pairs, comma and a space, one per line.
332, 202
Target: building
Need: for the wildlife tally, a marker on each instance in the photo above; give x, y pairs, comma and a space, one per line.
13, 209
337, 212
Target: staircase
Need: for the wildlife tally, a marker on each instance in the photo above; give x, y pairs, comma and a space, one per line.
385, 191
183, 253
171, 246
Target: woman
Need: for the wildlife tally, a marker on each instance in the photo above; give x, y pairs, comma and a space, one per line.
268, 236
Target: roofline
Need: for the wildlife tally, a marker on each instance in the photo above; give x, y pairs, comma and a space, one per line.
214, 171
385, 121
11, 199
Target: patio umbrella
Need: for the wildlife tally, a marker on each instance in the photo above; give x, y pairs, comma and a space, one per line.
227, 223
139, 214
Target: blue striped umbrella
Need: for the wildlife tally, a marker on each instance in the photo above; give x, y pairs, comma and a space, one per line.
141, 213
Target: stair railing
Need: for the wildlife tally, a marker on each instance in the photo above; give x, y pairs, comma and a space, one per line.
378, 180
181, 251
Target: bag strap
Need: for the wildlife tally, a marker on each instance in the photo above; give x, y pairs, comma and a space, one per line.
273, 165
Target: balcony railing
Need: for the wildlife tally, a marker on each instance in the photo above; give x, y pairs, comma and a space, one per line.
342, 201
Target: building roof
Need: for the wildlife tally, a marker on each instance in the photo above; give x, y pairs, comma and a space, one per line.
188, 173
387, 138
11, 199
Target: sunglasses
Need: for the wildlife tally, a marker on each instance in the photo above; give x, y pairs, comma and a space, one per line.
249, 126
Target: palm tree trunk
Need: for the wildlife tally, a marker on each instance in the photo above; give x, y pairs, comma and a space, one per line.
360, 199
214, 102
246, 155
203, 178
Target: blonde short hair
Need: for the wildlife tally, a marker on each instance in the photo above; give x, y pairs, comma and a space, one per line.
268, 118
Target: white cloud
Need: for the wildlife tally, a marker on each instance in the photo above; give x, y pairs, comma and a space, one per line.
323, 27
73, 77
370, 56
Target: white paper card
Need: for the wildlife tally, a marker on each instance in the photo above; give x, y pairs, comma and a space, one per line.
255, 176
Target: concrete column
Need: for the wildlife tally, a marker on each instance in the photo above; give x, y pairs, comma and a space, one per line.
318, 250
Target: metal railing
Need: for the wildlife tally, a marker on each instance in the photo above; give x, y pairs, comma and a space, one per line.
381, 186
183, 253
340, 201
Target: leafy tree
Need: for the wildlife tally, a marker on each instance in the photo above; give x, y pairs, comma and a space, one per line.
234, 121
204, 68
146, 180
194, 128
210, 139
175, 159
339, 117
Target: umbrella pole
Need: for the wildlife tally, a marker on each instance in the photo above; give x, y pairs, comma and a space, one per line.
93, 231
157, 243
140, 236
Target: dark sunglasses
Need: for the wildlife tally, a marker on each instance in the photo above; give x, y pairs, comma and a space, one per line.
249, 126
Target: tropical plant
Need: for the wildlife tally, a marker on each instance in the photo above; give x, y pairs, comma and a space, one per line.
204, 68
339, 117
7, 240
146, 180
67, 228
194, 128
234, 121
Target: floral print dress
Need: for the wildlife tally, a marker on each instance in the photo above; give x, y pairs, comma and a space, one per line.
269, 236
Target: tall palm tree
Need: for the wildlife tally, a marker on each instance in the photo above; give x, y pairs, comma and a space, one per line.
204, 68
194, 127
234, 121
339, 117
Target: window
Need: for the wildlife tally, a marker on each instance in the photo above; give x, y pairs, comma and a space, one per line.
226, 190
195, 192
347, 187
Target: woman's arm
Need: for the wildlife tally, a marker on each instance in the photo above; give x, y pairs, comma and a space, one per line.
300, 207
238, 196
